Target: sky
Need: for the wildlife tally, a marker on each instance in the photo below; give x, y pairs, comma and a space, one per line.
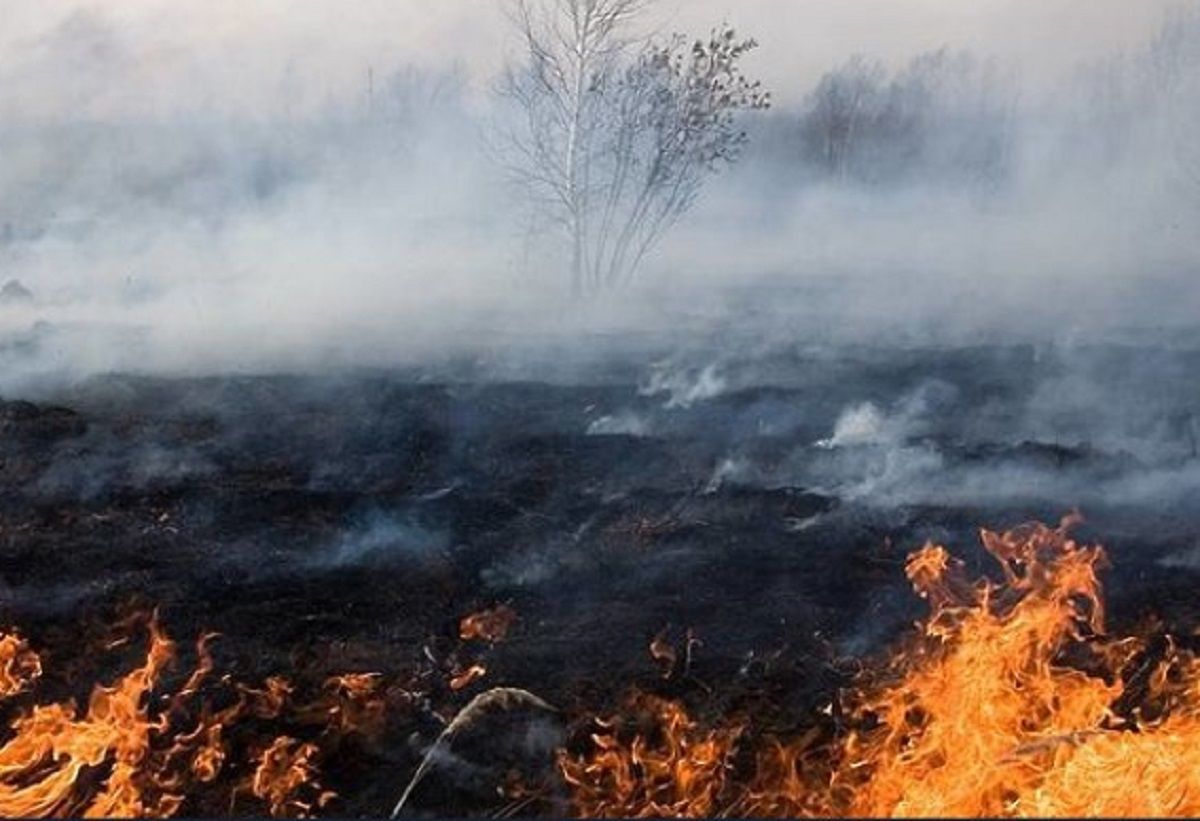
172, 54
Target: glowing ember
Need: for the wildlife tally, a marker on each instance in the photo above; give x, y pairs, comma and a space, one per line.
464, 679
491, 626
1009, 701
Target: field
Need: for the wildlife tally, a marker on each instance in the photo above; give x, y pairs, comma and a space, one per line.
727, 532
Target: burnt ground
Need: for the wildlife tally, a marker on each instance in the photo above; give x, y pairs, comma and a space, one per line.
324, 524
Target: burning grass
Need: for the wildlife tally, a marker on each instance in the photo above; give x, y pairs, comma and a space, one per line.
141, 748
1010, 698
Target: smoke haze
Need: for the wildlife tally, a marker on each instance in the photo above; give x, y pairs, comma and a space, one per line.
232, 186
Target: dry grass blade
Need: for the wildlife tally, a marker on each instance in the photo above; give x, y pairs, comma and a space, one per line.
500, 699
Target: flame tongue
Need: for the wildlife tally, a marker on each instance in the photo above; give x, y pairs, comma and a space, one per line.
19, 666
285, 770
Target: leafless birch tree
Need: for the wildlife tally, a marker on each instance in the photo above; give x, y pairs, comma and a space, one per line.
615, 133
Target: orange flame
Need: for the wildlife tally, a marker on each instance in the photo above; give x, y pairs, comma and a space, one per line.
1010, 700
465, 678
285, 770
676, 769
19, 666
52, 747
352, 704
135, 752
491, 626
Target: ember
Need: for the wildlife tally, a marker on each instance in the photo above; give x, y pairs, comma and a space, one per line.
465, 678
663, 652
491, 625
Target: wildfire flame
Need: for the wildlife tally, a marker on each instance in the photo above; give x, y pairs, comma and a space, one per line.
137, 752
1010, 700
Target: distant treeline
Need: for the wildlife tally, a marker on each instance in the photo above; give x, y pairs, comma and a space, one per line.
944, 116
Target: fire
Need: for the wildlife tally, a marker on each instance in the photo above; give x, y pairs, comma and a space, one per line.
677, 769
465, 678
285, 770
138, 750
352, 704
983, 707
491, 626
52, 747
1009, 700
19, 666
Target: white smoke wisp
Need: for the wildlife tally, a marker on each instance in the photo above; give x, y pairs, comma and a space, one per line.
860, 425
684, 387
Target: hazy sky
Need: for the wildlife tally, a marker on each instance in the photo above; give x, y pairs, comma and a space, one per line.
209, 207
169, 53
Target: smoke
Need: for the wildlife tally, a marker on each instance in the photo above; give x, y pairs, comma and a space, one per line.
190, 198
1058, 427
179, 227
683, 387
93, 472
624, 423
915, 414
381, 539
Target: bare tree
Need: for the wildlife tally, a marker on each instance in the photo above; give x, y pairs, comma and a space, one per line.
616, 133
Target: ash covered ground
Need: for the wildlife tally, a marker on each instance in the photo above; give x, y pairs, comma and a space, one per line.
752, 511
